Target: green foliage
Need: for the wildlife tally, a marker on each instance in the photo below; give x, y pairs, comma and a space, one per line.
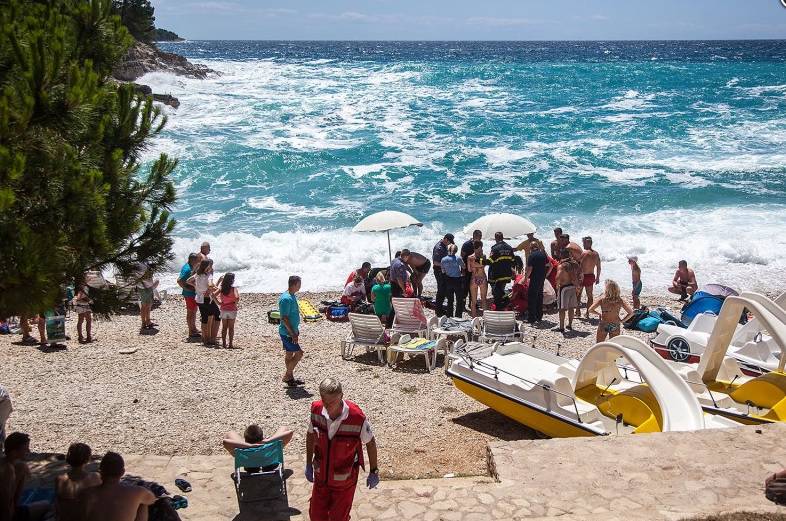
137, 16
72, 193
162, 35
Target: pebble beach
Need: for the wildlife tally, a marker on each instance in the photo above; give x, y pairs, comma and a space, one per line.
174, 397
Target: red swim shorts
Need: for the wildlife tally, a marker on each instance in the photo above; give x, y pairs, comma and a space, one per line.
589, 280
190, 303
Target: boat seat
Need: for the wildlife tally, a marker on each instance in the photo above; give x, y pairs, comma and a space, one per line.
588, 413
568, 369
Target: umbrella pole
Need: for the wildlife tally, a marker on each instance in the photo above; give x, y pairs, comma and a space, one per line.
390, 252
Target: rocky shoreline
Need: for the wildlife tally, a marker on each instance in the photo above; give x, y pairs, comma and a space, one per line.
142, 59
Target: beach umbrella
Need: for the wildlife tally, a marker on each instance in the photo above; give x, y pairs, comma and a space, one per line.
384, 222
510, 225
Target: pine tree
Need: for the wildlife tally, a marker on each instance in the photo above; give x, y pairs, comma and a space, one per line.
73, 194
138, 17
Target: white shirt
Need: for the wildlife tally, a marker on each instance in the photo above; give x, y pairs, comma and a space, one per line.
366, 434
352, 289
201, 283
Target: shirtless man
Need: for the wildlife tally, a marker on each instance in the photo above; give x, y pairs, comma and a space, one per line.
420, 267
684, 282
112, 501
590, 270
567, 273
254, 437
14, 473
527, 244
68, 486
555, 244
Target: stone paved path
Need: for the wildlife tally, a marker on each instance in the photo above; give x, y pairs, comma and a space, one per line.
657, 476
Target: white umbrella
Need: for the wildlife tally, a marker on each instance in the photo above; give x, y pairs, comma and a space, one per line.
510, 225
384, 222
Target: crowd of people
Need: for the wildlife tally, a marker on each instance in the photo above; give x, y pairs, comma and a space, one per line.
464, 276
216, 300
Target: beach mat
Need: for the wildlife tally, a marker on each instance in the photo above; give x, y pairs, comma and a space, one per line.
308, 311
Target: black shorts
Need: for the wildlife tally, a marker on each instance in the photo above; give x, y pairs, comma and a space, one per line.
207, 309
425, 268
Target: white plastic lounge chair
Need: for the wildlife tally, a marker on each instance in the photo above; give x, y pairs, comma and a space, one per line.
367, 331
499, 326
410, 317
416, 346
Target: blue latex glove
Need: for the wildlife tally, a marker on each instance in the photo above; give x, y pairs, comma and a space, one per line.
372, 480
310, 473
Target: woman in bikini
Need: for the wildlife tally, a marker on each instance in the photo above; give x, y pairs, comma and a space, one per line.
478, 281
610, 305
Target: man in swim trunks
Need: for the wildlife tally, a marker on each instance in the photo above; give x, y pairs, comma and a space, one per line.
567, 299
420, 267
112, 500
590, 271
684, 283
289, 330
555, 244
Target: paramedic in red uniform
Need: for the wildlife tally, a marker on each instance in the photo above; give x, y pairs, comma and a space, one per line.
337, 431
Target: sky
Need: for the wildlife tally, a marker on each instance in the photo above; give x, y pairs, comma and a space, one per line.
473, 19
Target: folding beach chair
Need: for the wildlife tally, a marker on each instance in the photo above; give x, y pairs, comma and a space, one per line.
259, 475
410, 318
499, 326
367, 331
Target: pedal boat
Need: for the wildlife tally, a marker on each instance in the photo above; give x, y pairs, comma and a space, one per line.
719, 381
561, 397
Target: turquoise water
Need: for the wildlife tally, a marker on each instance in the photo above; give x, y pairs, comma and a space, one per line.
667, 150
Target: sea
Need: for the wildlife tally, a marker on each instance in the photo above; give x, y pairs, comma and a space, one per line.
664, 150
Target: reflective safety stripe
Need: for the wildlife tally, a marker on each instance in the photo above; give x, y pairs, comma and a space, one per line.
341, 477
349, 428
318, 418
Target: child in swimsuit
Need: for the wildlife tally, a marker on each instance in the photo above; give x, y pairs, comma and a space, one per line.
84, 314
479, 281
610, 305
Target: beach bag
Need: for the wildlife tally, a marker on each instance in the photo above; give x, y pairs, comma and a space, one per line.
648, 324
273, 316
337, 313
638, 314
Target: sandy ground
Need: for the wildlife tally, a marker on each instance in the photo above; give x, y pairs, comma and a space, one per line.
178, 398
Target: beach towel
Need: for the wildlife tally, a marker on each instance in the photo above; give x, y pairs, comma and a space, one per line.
417, 310
419, 344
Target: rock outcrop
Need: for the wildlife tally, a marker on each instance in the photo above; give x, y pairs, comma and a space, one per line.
142, 58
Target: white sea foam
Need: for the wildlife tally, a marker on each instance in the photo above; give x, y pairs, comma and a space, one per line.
732, 246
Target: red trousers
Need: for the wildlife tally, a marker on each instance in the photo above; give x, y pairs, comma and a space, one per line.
330, 504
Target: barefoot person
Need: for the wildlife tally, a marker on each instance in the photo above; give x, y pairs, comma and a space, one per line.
337, 431
590, 270
479, 283
145, 286
528, 243
635, 273
84, 314
610, 305
68, 486
289, 330
228, 297
111, 500
684, 283
567, 300
420, 267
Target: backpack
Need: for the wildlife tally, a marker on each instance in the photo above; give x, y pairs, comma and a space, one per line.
638, 314
648, 324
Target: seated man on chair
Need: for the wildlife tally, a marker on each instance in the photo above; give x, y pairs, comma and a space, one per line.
254, 437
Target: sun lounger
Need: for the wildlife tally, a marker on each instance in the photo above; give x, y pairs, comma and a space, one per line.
367, 331
416, 346
410, 318
499, 326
